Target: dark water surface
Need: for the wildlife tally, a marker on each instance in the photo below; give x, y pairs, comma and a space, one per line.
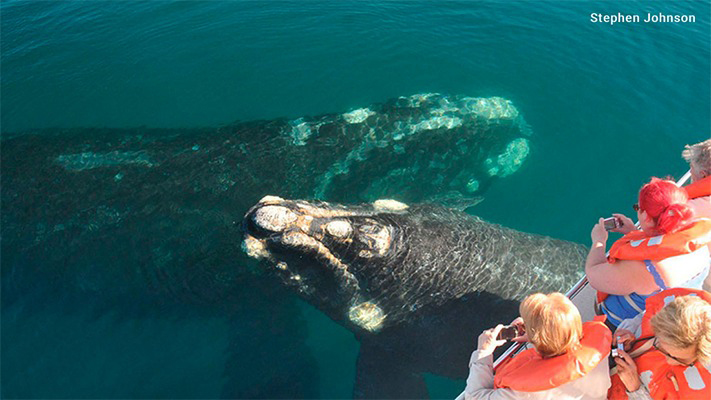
609, 106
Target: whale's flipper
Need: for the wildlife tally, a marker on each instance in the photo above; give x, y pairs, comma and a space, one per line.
384, 375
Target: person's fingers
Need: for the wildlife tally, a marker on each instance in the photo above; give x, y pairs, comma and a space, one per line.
625, 220
522, 338
628, 359
500, 343
497, 329
625, 337
619, 338
621, 363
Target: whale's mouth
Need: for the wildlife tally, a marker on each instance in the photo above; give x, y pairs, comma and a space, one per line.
315, 247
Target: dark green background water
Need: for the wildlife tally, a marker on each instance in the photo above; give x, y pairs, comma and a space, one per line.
609, 107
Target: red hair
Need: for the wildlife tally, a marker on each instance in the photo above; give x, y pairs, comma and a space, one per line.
666, 204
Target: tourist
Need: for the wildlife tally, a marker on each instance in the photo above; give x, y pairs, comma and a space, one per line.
699, 158
670, 250
568, 359
671, 358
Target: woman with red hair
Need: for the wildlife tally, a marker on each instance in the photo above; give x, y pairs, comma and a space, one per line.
668, 251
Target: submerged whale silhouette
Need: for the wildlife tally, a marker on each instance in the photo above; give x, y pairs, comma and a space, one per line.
414, 283
144, 220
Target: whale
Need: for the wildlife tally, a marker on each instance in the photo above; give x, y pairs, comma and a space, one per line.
414, 283
144, 222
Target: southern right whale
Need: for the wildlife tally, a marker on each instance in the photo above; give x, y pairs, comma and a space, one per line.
144, 220
165, 196
416, 283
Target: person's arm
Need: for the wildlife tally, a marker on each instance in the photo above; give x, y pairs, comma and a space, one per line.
480, 382
640, 394
621, 278
596, 255
627, 371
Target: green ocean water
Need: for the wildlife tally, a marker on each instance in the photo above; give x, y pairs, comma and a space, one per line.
608, 105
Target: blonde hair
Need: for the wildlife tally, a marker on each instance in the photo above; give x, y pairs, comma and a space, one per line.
686, 322
699, 156
552, 322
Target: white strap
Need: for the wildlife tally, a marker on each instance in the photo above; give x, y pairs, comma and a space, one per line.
645, 347
609, 313
632, 303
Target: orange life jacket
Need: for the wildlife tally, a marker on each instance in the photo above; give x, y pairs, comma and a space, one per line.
529, 372
699, 188
663, 380
637, 245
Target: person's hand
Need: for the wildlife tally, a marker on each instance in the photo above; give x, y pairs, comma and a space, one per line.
623, 336
598, 233
487, 341
627, 224
627, 370
518, 322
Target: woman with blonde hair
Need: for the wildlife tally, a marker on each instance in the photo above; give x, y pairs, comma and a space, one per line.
567, 361
671, 358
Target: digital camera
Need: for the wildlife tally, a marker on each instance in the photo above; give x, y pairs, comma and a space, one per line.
611, 223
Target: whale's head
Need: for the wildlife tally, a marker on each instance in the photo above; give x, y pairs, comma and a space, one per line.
323, 252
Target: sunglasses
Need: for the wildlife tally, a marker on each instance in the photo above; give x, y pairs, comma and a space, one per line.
684, 363
635, 207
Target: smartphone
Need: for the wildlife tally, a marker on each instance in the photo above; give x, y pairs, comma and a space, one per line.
611, 223
509, 332
616, 352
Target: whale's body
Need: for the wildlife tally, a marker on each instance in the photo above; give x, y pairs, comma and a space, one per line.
146, 221
415, 284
